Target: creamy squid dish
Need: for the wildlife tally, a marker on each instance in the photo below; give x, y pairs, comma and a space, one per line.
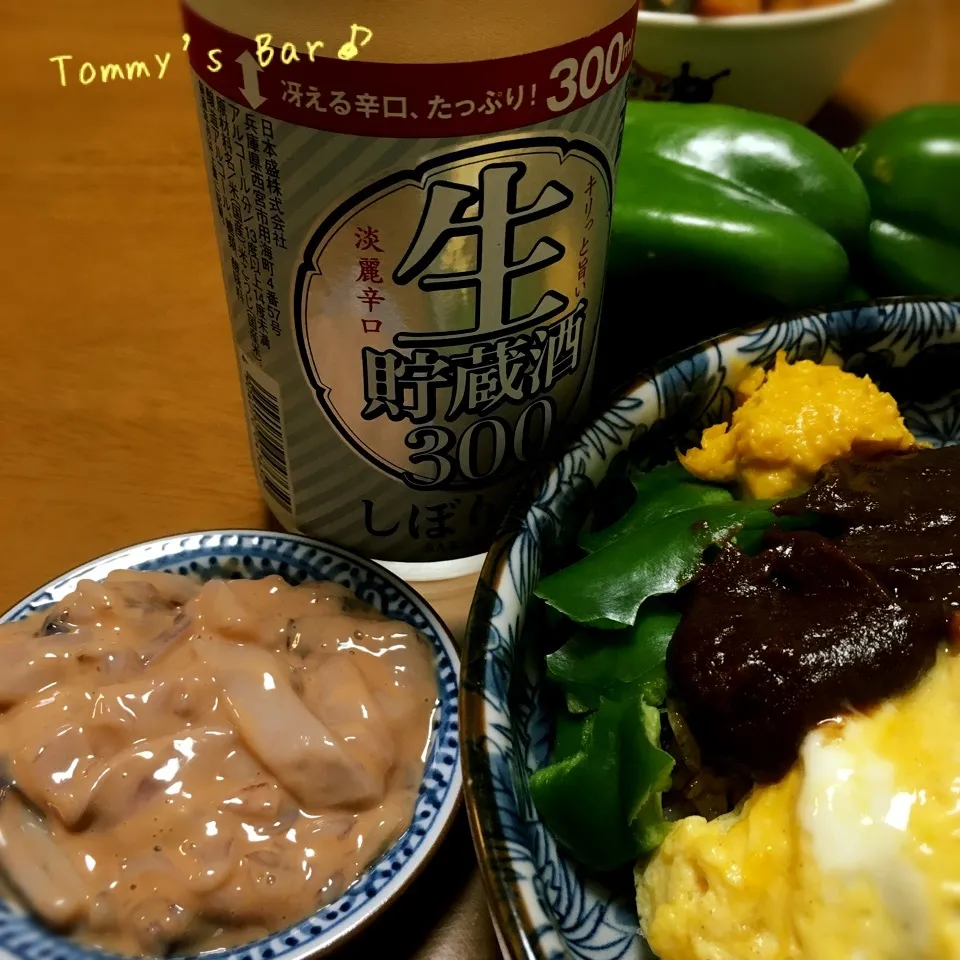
193, 766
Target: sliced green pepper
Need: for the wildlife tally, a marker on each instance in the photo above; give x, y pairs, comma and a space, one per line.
646, 775
661, 493
568, 736
616, 664
603, 803
606, 588
910, 165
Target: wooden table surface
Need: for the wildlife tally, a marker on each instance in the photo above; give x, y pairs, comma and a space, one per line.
120, 414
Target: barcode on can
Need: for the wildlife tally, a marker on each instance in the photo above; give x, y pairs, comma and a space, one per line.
269, 442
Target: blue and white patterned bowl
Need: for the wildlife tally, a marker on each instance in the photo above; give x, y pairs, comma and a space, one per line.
544, 904
250, 553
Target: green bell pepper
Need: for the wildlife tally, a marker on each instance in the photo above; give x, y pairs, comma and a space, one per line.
910, 165
760, 202
606, 589
722, 217
661, 492
601, 797
597, 665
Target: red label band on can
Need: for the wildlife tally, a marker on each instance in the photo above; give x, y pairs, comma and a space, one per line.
368, 99
414, 260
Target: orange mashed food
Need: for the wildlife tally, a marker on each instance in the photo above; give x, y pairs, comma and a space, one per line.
792, 420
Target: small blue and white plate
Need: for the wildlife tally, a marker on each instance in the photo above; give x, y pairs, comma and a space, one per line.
250, 554
545, 905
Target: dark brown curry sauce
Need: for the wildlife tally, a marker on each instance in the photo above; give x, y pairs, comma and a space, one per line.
818, 624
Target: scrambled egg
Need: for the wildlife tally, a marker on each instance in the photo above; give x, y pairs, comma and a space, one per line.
793, 420
854, 855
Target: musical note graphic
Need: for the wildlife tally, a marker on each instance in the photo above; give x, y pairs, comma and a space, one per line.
350, 49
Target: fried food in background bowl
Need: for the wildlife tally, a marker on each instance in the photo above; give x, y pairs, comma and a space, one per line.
783, 57
732, 8
670, 783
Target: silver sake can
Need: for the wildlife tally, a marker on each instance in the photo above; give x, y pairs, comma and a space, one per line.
412, 208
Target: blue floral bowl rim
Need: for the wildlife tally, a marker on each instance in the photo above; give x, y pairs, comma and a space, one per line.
514, 926
445, 817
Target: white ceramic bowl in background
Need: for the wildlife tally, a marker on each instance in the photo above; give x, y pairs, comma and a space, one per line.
782, 63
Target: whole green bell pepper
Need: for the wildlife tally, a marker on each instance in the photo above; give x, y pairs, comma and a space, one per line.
910, 165
761, 202
722, 217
